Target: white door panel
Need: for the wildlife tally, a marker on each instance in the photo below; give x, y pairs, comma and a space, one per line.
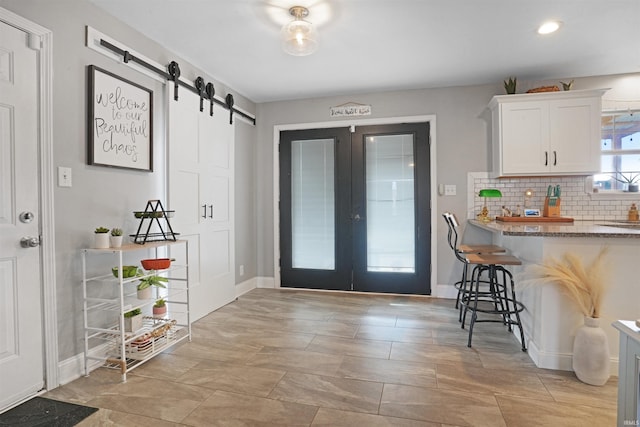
218, 193
21, 341
221, 256
6, 170
9, 294
190, 212
200, 191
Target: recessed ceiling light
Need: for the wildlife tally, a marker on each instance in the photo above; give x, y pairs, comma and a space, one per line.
549, 27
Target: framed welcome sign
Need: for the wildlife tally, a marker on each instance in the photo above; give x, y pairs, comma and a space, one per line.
120, 122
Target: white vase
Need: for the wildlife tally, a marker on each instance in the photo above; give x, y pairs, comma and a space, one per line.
101, 241
115, 241
591, 353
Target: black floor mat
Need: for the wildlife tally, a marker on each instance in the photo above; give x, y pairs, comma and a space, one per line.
40, 411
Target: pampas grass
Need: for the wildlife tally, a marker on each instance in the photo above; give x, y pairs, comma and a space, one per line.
582, 284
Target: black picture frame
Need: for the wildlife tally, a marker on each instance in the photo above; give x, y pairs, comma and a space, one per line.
120, 122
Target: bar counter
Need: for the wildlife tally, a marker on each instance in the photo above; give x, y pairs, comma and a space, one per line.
615, 229
550, 319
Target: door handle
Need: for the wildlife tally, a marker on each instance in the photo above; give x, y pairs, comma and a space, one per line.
555, 158
30, 242
546, 158
26, 217
204, 215
211, 214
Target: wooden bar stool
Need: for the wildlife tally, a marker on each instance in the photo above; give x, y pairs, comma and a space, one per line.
461, 250
499, 298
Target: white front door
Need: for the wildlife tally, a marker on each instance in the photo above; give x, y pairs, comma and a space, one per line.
201, 193
21, 341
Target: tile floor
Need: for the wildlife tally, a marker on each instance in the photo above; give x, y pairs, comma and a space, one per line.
293, 357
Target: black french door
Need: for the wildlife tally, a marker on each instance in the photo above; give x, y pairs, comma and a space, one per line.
354, 209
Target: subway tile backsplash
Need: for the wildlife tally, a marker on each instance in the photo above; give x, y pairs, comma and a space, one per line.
576, 203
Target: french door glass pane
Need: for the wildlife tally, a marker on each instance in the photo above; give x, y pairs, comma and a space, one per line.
390, 203
312, 204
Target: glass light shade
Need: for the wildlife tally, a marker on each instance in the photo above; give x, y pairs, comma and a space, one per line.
549, 27
490, 192
299, 38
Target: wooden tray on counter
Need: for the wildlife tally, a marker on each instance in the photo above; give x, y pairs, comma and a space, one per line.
534, 219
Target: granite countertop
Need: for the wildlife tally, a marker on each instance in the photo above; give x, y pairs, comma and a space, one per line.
622, 229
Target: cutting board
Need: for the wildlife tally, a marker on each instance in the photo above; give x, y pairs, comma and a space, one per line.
533, 219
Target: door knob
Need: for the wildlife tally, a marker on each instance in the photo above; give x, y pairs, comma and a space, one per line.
30, 242
26, 217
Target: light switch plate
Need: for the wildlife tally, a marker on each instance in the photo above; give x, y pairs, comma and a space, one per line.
450, 190
64, 177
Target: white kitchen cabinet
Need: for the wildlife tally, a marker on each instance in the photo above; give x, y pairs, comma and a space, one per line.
550, 133
106, 299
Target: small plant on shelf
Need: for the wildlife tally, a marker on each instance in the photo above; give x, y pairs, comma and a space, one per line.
132, 320
101, 239
160, 308
115, 240
144, 287
154, 280
132, 313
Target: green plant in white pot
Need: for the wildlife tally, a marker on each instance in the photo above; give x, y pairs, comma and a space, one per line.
144, 287
101, 239
160, 308
133, 320
115, 240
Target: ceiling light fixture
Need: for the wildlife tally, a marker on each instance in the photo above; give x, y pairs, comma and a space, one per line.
549, 27
299, 37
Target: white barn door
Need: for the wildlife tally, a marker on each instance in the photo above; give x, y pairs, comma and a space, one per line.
201, 149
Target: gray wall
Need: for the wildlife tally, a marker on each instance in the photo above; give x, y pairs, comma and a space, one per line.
103, 196
463, 143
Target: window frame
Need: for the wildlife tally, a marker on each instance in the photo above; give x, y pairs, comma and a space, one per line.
614, 194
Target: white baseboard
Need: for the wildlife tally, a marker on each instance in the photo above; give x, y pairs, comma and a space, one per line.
246, 286
561, 361
266, 282
444, 291
73, 368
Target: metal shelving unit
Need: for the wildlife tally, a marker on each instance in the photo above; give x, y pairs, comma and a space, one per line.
106, 299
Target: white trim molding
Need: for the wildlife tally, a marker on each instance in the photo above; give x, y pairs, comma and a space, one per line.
431, 119
45, 146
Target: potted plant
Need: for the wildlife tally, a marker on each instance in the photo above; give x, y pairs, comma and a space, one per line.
144, 287
631, 179
160, 308
115, 239
510, 85
101, 240
133, 320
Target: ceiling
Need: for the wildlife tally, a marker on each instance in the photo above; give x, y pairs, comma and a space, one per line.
378, 45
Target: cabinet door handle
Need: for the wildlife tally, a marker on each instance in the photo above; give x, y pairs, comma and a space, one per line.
204, 215
555, 158
211, 214
546, 158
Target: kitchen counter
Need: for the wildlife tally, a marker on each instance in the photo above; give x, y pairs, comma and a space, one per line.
550, 319
614, 229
